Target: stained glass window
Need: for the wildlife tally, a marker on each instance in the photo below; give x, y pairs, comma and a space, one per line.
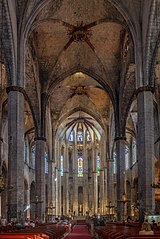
26, 153
98, 165
115, 162
33, 156
71, 138
80, 167
88, 136
61, 165
134, 152
79, 136
46, 162
127, 157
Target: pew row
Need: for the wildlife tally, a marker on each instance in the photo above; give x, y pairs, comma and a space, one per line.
51, 231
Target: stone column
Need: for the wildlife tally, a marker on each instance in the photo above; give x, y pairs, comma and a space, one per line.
95, 180
16, 152
40, 177
105, 190
85, 179
101, 186
66, 182
56, 189
51, 189
120, 156
110, 181
52, 177
145, 152
102, 160
75, 180
59, 181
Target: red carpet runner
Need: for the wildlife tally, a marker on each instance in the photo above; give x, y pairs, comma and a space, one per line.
79, 232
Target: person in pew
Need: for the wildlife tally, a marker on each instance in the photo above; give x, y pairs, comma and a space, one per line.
129, 219
32, 224
146, 229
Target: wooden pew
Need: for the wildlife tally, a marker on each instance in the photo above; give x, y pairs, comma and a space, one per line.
21, 236
144, 237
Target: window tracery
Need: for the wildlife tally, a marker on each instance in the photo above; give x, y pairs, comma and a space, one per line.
126, 157
80, 167
62, 169
46, 162
98, 165
33, 149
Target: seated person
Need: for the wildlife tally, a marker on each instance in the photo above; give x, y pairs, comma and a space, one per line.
146, 229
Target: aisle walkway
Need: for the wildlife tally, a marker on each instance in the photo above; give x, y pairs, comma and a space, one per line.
80, 232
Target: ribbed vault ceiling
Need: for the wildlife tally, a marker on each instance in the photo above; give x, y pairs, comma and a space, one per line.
80, 48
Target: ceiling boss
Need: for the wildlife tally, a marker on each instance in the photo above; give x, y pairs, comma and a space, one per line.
79, 33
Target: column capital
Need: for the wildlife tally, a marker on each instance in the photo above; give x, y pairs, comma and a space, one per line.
145, 88
94, 172
65, 172
120, 138
15, 88
40, 138
102, 170
110, 160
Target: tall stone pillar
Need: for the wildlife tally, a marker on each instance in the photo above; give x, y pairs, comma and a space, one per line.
52, 177
75, 180
105, 190
120, 156
110, 184
40, 143
56, 191
51, 189
85, 180
101, 186
102, 161
95, 180
58, 177
66, 182
16, 152
145, 152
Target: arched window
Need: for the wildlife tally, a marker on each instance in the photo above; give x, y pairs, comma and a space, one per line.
33, 156
79, 136
134, 152
98, 165
26, 151
46, 162
71, 137
115, 163
88, 136
80, 167
62, 165
127, 157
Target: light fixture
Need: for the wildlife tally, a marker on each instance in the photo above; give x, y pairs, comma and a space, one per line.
124, 198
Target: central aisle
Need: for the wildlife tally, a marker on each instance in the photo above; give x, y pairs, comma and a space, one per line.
79, 232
